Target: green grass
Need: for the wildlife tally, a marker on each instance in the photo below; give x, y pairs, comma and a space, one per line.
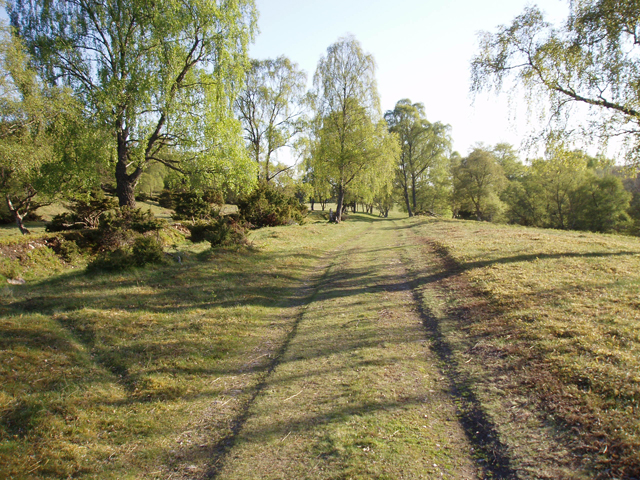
169, 371
356, 394
545, 323
106, 375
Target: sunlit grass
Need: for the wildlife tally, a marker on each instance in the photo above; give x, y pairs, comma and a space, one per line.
106, 375
561, 324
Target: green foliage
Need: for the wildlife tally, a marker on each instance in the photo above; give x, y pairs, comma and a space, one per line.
141, 251
194, 205
478, 180
270, 108
115, 260
85, 213
424, 149
120, 229
582, 74
134, 219
568, 190
224, 231
43, 135
351, 143
68, 250
268, 206
147, 250
180, 60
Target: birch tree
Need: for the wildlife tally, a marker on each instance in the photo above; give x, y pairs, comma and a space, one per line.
350, 135
160, 75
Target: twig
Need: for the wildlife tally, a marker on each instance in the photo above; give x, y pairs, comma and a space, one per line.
293, 396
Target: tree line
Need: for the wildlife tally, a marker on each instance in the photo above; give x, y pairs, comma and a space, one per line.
135, 96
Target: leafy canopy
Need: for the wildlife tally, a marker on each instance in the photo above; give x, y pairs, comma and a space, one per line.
351, 138
161, 75
590, 62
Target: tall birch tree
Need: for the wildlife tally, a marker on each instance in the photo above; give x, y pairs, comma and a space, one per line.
160, 75
350, 135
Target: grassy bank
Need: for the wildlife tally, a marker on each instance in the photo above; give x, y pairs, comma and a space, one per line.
360, 350
544, 325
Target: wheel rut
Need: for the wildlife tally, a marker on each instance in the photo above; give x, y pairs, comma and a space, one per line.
220, 451
494, 458
355, 391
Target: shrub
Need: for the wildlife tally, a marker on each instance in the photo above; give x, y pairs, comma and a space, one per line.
197, 206
165, 199
267, 206
118, 228
147, 250
83, 214
68, 250
112, 260
223, 231
190, 206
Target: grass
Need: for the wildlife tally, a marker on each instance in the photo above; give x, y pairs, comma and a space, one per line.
545, 325
360, 350
356, 394
107, 376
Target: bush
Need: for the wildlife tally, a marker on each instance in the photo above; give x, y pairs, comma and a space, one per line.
68, 250
135, 219
113, 260
118, 229
267, 206
165, 199
223, 231
84, 214
197, 206
147, 250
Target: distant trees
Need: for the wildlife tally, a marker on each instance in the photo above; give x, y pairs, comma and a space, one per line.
161, 76
569, 190
270, 108
423, 149
592, 60
478, 180
350, 137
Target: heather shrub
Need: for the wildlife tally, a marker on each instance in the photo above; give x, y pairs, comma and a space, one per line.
268, 206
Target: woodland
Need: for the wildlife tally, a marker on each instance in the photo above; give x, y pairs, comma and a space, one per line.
377, 306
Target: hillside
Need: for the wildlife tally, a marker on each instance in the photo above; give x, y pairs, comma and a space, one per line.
399, 348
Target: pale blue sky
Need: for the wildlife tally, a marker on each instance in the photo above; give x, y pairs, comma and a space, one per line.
422, 47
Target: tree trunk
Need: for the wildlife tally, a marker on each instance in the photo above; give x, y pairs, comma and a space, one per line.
340, 204
312, 204
405, 188
406, 200
125, 187
19, 219
413, 192
125, 183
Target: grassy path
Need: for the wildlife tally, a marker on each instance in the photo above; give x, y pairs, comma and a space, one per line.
357, 393
403, 348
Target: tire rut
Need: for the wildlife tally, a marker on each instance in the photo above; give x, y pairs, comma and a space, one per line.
221, 450
494, 457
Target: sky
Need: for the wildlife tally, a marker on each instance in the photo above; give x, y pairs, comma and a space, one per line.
422, 48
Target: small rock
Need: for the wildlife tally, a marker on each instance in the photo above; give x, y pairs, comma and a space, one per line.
16, 281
